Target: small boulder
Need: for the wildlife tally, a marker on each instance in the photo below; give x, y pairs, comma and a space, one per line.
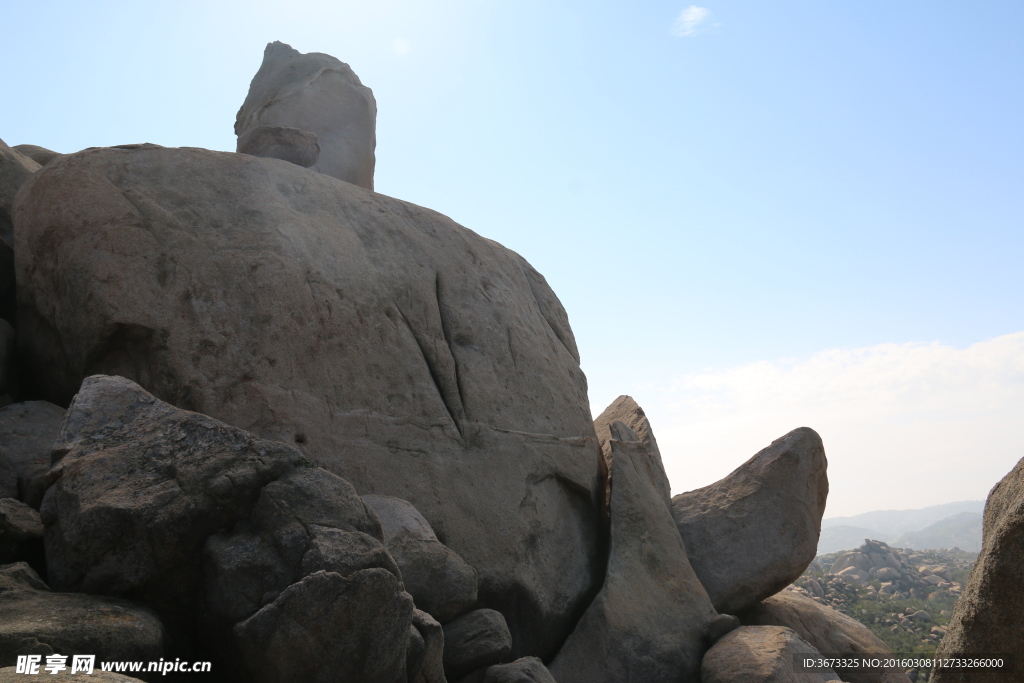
887, 574
754, 532
328, 627
36, 621
27, 433
479, 638
987, 615
649, 621
827, 630
760, 654
314, 93
281, 142
439, 580
40, 155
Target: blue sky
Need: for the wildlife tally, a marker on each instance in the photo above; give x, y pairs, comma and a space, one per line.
757, 215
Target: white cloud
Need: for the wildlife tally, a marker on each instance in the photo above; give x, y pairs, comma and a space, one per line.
689, 21
401, 46
904, 425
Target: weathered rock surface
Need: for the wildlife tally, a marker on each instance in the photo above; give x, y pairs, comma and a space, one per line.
477, 639
27, 433
827, 630
141, 487
10, 675
760, 654
15, 169
754, 532
281, 142
431, 665
649, 620
21, 533
440, 581
329, 628
986, 618
397, 349
625, 409
34, 620
40, 155
317, 93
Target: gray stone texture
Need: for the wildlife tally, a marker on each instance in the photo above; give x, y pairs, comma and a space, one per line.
394, 347
474, 640
317, 93
431, 667
441, 582
649, 620
754, 532
27, 433
281, 142
827, 630
760, 654
987, 617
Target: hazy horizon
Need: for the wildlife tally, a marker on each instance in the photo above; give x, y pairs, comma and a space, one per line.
757, 216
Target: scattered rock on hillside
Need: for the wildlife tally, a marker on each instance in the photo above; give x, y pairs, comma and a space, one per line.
318, 93
760, 654
328, 627
649, 620
36, 621
986, 618
40, 155
281, 142
395, 348
827, 630
27, 433
476, 639
440, 581
751, 534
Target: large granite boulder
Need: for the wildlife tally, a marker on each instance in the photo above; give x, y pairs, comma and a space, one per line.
827, 630
987, 617
27, 433
317, 93
37, 621
328, 628
761, 654
394, 347
650, 618
440, 581
754, 532
40, 155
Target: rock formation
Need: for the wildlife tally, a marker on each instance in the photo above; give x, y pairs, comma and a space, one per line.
760, 654
40, 155
649, 620
312, 94
986, 619
474, 640
754, 532
395, 348
827, 630
626, 410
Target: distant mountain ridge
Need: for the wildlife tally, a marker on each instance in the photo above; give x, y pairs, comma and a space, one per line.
937, 526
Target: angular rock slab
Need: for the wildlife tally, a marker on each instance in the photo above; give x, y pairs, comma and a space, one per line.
826, 630
754, 532
987, 617
36, 621
397, 349
328, 628
626, 410
317, 93
141, 487
27, 433
760, 654
649, 619
440, 581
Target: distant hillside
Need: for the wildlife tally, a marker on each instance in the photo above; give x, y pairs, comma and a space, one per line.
891, 523
836, 538
960, 531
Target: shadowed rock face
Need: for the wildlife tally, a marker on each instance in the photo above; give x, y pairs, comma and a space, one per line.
317, 93
649, 620
987, 617
394, 347
754, 532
